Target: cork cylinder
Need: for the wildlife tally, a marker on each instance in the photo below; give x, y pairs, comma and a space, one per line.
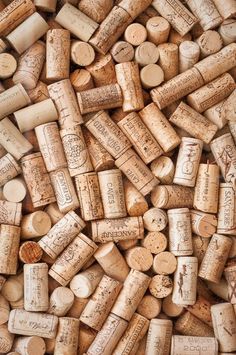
216, 114
227, 31
9, 168
108, 134
189, 53
4, 310
37, 180
155, 220
112, 193
182, 345
209, 42
61, 300
107, 338
228, 9
35, 224
96, 10
156, 242
203, 224
169, 60
72, 259
163, 168
32, 28
58, 54
206, 12
131, 294
112, 262
12, 212
7, 339
87, 186
135, 34
215, 258
180, 232
158, 29
122, 51
64, 98
224, 324
20, 322
33, 345
149, 307
202, 309
8, 66
9, 247
98, 307
13, 288
167, 196
102, 70
188, 162
139, 135
159, 337
227, 209
188, 324
81, 80
30, 252
36, 287
84, 283
136, 203
67, 338
146, 53
230, 273
61, 234
127, 75
139, 258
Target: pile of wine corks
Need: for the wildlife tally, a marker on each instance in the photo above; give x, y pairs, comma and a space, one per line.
117, 177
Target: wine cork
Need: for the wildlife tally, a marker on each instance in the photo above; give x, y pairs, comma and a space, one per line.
8, 65
203, 224
14, 190
213, 263
158, 29
229, 273
163, 168
141, 138
202, 310
10, 212
84, 284
61, 300
81, 80
217, 115
39, 93
188, 162
36, 287
168, 196
200, 245
206, 12
161, 286
170, 308
227, 31
32, 29
35, 225
136, 203
20, 322
96, 10
220, 289
79, 24
139, 258
135, 34
29, 345
184, 345
32, 116
185, 281
63, 95
151, 76
164, 263
128, 78
9, 168
177, 87
67, 336
180, 18
156, 242
30, 252
134, 333
54, 213
87, 186
86, 337
224, 152
58, 54
37, 180
161, 129
6, 339
65, 266
122, 51
189, 53
146, 53
224, 324
26, 74
228, 9
226, 210
9, 246
127, 244
209, 42
107, 338
169, 60
106, 230
176, 38
46, 5
159, 337
155, 219
4, 310
188, 324
101, 98
61, 234
13, 288
77, 308
97, 309
112, 193
64, 189
82, 53
103, 70
229, 108
180, 232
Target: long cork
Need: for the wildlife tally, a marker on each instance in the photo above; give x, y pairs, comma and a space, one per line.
185, 345
61, 300
9, 168
84, 284
202, 310
226, 210
67, 336
189, 53
229, 273
9, 241
206, 12
169, 60
10, 212
159, 337
188, 324
158, 30
200, 245
167, 196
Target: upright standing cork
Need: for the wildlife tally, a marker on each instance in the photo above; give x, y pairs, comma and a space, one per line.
102, 70
8, 65
160, 127
169, 60
96, 10
146, 53
61, 234
26, 73
82, 53
37, 180
155, 219
227, 31
227, 210
133, 291
67, 338
184, 345
213, 263
168, 196
210, 42
14, 190
9, 168
135, 34
188, 162
20, 322
136, 203
81, 80
30, 252
31, 345
159, 337
139, 258
36, 287
61, 300
58, 54
122, 52
180, 232
63, 95
84, 284
141, 138
32, 29
188, 324
9, 241
189, 53
78, 252
128, 78
158, 30
10, 212
206, 12
224, 324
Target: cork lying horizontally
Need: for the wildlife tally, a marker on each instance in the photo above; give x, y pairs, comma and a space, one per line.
117, 177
